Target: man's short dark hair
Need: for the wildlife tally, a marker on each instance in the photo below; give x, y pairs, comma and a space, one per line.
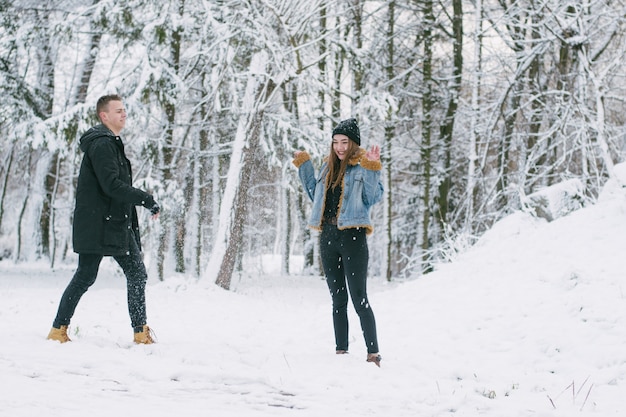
103, 102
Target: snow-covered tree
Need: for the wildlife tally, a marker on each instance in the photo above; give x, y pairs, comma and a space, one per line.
477, 105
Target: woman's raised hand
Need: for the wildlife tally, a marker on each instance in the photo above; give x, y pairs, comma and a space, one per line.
374, 153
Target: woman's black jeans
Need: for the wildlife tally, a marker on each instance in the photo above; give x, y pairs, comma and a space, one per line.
85, 275
345, 258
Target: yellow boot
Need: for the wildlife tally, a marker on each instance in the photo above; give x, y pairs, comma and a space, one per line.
144, 336
60, 334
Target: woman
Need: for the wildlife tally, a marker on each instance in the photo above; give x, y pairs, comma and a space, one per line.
347, 187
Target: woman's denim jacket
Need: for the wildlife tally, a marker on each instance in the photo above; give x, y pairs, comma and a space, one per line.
361, 187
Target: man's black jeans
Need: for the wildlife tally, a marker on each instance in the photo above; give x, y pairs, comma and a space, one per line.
345, 257
85, 275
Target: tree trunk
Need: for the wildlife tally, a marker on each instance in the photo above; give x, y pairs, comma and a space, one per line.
233, 207
55, 188
20, 219
286, 230
446, 131
171, 218
181, 224
389, 137
5, 181
284, 224
233, 249
426, 151
472, 154
46, 81
309, 243
200, 188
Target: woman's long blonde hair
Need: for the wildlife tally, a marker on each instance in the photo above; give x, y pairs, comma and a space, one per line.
337, 167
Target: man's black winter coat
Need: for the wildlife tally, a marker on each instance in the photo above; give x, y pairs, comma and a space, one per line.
105, 199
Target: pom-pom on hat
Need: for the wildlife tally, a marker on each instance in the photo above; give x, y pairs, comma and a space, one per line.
349, 128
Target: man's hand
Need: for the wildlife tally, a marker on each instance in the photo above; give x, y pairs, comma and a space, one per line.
155, 210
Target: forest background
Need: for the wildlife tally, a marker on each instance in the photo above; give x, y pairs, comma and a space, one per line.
478, 106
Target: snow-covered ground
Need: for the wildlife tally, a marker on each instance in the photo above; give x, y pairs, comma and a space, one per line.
531, 321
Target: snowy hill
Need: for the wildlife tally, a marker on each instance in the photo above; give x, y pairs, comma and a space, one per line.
529, 322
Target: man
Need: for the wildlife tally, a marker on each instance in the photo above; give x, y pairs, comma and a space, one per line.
105, 220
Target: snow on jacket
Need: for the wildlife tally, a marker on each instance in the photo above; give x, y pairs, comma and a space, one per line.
105, 199
361, 189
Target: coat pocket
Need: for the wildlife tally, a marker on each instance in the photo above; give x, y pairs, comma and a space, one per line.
116, 231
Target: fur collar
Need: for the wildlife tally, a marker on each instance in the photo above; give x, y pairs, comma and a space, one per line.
358, 155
